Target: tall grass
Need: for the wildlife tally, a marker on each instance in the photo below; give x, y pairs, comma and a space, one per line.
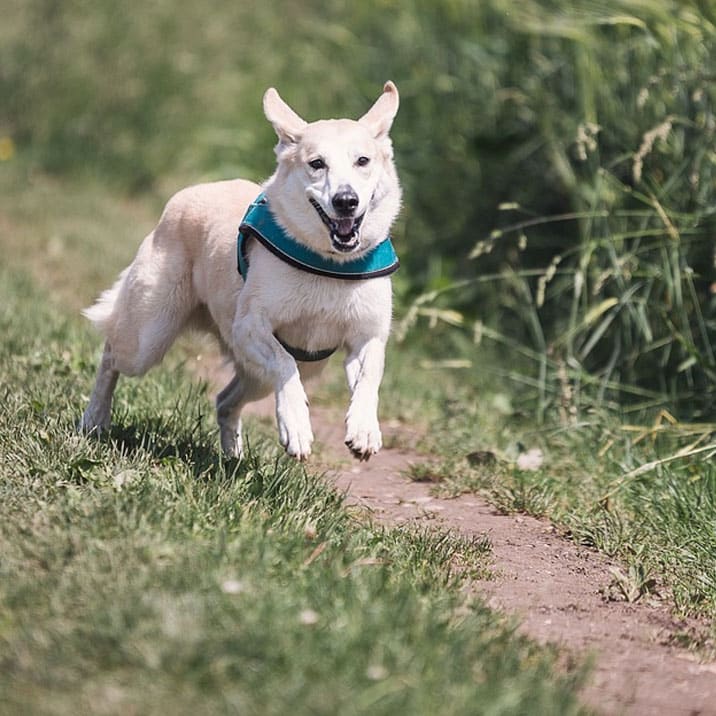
610, 297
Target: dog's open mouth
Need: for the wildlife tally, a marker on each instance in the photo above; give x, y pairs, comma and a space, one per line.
344, 231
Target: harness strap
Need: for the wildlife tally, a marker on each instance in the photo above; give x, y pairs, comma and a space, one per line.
306, 356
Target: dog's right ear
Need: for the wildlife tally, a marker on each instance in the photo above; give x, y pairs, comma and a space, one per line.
288, 125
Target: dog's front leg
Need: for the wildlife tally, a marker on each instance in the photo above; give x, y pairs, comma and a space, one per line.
364, 371
263, 358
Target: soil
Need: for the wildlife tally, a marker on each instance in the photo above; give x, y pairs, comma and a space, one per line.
556, 589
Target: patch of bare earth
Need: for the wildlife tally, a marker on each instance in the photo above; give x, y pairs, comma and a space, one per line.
554, 587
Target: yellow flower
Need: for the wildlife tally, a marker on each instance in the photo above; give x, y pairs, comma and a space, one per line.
7, 149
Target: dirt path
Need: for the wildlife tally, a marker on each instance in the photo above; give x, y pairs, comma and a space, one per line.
551, 585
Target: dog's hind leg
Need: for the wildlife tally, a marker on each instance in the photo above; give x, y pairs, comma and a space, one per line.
96, 417
140, 317
229, 404
228, 415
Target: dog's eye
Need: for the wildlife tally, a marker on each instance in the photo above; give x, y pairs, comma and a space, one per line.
317, 164
362, 161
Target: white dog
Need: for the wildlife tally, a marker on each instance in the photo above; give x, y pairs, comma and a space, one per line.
315, 259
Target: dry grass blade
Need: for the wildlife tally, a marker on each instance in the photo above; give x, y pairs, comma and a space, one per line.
685, 452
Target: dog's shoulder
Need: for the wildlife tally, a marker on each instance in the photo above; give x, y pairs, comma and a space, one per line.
211, 198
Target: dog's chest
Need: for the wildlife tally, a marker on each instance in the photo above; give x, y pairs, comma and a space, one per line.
328, 313
316, 313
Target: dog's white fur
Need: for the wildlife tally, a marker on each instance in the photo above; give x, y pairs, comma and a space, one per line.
184, 274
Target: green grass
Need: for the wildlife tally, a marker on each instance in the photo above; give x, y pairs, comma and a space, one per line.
87, 233
143, 573
569, 147
632, 486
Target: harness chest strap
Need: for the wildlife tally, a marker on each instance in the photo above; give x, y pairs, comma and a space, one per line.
305, 356
260, 224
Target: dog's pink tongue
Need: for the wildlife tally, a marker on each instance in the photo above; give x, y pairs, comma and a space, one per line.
345, 227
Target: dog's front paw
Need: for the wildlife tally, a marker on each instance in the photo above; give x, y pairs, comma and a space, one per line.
297, 441
363, 440
294, 427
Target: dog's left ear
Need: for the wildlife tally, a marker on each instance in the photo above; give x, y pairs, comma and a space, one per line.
288, 125
379, 118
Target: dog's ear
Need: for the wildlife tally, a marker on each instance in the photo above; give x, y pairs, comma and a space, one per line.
286, 122
379, 118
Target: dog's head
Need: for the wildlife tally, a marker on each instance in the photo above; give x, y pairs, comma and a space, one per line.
335, 188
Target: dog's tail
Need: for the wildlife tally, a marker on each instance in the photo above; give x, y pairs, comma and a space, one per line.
102, 312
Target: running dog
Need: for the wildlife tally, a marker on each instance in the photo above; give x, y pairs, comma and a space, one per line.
308, 275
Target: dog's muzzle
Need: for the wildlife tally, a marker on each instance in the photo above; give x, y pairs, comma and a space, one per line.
344, 230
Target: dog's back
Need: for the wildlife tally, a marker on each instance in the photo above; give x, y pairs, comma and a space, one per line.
185, 264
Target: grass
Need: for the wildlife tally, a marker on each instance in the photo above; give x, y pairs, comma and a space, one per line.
642, 492
143, 573
50, 233
583, 131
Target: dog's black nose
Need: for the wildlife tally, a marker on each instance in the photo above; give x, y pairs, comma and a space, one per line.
345, 201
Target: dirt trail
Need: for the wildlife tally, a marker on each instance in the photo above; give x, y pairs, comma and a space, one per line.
551, 585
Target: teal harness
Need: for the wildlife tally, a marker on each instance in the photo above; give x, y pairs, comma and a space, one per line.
260, 224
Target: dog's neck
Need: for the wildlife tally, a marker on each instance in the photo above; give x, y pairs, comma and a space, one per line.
261, 223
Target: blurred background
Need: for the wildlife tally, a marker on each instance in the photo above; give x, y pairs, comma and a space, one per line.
558, 158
